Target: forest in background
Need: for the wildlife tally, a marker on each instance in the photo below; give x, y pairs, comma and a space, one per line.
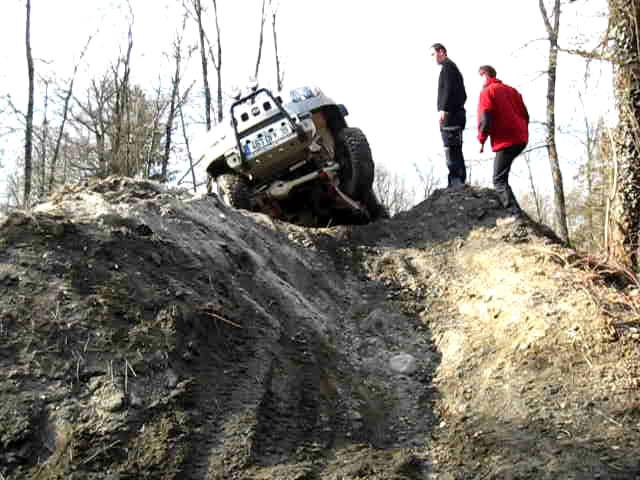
113, 126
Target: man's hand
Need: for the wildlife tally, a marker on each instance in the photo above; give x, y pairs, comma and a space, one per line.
443, 117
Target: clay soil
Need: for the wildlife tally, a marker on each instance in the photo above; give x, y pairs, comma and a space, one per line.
146, 333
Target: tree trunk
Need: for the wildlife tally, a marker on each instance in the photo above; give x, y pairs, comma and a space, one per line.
203, 57
177, 55
28, 141
556, 173
159, 106
260, 41
56, 150
218, 65
534, 193
624, 219
126, 108
279, 76
45, 140
188, 149
65, 113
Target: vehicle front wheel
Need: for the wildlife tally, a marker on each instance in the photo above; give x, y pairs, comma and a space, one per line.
234, 190
356, 164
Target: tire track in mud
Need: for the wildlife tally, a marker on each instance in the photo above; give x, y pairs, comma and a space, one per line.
226, 393
282, 393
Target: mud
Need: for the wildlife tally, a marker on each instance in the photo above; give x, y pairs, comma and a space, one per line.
146, 333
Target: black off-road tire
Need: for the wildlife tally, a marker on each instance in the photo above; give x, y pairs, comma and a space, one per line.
377, 211
234, 190
356, 163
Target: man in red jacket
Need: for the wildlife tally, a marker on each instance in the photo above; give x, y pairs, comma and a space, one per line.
503, 116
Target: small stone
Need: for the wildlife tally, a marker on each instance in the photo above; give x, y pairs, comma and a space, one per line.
403, 363
157, 259
135, 400
112, 402
172, 378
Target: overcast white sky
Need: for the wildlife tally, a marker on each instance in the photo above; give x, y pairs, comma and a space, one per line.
371, 55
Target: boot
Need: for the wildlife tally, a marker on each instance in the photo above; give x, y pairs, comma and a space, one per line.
455, 164
457, 161
508, 201
447, 158
514, 207
503, 196
455, 182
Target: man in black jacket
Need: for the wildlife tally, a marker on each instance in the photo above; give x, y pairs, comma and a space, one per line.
451, 99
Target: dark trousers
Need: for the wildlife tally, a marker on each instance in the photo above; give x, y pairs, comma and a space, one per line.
501, 169
452, 140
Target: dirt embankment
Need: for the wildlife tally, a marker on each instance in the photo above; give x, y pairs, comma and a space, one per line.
148, 334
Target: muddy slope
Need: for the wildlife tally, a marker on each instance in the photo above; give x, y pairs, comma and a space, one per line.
148, 334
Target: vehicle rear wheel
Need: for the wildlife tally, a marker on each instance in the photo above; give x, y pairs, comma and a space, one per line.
234, 190
356, 163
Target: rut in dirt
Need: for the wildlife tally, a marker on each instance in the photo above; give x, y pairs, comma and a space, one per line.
189, 340
279, 393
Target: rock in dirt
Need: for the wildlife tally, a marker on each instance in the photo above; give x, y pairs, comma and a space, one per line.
403, 363
110, 400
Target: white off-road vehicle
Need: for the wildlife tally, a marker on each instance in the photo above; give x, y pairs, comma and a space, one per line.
292, 158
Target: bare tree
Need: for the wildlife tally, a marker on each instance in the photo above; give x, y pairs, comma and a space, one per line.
28, 141
98, 115
428, 180
44, 139
93, 116
542, 205
624, 221
217, 61
160, 104
392, 191
260, 40
197, 6
173, 102
552, 24
588, 205
121, 115
188, 148
65, 112
274, 14
537, 200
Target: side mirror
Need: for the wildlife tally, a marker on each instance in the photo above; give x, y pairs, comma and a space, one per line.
343, 110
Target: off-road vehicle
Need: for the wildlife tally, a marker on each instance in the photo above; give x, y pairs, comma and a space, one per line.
294, 159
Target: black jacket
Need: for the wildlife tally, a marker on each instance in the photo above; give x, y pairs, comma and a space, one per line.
451, 93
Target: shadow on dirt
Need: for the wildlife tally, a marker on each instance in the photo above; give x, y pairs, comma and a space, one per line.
164, 339
534, 451
145, 335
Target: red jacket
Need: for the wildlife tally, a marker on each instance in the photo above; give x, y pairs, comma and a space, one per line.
502, 115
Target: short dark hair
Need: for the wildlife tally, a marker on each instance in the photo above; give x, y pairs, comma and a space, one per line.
489, 70
439, 46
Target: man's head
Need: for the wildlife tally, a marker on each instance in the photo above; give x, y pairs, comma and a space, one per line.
438, 52
486, 72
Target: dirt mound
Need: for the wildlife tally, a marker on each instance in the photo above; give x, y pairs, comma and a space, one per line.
146, 333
